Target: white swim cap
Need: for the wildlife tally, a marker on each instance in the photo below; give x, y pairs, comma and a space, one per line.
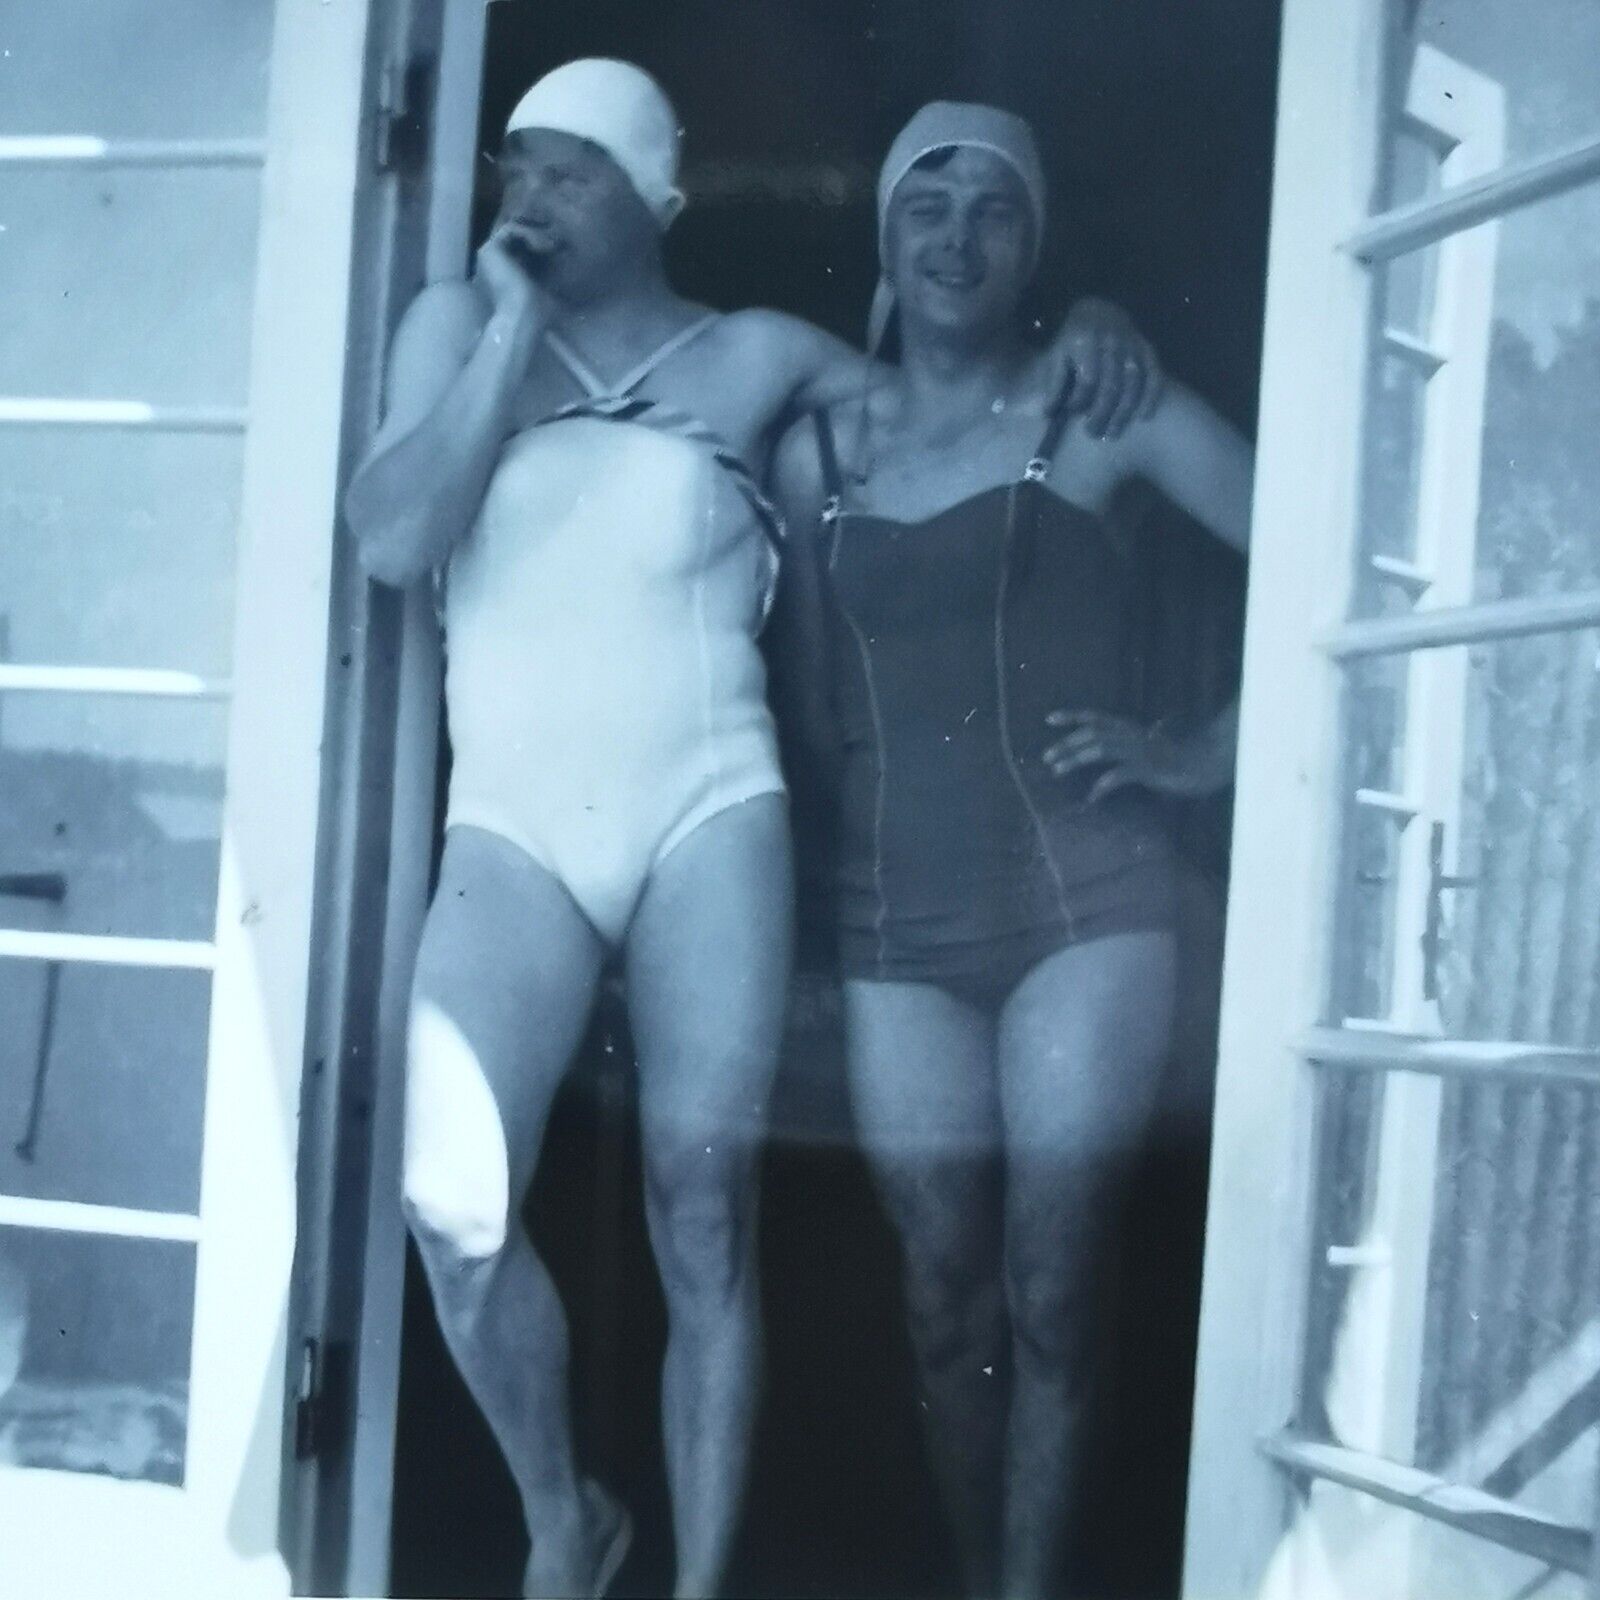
940, 125
620, 108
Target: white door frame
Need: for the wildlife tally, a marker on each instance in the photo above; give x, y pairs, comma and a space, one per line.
1276, 957
219, 1534
1278, 1012
448, 186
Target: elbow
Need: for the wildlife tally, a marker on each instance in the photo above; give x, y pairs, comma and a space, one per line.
390, 561
383, 564
385, 549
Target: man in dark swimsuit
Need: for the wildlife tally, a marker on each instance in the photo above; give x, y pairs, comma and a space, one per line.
958, 634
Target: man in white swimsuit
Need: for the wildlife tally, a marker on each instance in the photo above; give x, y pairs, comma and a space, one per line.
564, 443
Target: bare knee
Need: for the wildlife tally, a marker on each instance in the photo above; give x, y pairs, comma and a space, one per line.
1050, 1308
455, 1187
702, 1210
952, 1307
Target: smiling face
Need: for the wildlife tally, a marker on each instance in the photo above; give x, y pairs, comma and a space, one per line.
582, 217
960, 247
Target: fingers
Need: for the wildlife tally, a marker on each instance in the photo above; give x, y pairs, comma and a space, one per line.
1109, 783
1134, 372
1094, 738
1094, 719
1109, 378
1082, 356
526, 246
1089, 747
1155, 383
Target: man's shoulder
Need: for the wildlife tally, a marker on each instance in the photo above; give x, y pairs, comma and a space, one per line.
760, 332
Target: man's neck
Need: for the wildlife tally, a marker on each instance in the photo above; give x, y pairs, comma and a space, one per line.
631, 306
942, 376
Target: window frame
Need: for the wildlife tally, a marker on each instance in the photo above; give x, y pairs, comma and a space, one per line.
219, 1533
1248, 1462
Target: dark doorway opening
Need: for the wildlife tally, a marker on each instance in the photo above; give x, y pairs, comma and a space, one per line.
1156, 122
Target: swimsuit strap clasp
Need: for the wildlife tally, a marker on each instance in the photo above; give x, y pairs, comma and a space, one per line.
832, 478
1038, 467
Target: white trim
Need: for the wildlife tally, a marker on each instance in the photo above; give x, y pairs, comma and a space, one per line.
122, 1222
24, 411
105, 950
1456, 1505
288, 511
1473, 624
1407, 574
1374, 1389
1397, 805
1358, 1255
452, 159
1408, 228
1387, 1050
1302, 564
86, 150
1410, 348
156, 682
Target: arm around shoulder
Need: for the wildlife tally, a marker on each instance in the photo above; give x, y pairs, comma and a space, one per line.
800, 641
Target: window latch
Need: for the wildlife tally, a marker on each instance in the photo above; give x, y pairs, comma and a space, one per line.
1433, 921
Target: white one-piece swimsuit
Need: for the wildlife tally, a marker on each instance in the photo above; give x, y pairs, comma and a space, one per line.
604, 687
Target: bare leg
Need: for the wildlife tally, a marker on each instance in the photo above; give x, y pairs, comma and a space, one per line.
504, 983
922, 1082
1082, 1041
708, 972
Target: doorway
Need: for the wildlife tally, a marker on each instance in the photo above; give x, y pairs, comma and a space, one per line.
1155, 121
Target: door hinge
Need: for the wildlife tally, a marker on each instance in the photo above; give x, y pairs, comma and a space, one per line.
400, 122
308, 1401
322, 1398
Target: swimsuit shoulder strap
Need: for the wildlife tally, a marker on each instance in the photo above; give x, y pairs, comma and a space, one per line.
832, 477
596, 387
669, 347
1038, 467
586, 377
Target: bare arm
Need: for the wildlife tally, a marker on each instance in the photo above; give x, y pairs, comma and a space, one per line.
801, 645
1205, 466
454, 374
1101, 365
1200, 462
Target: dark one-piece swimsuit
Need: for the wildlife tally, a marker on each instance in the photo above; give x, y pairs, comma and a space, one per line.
964, 861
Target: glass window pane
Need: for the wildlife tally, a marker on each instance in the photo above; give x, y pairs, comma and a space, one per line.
132, 284
1455, 1290
102, 1084
1520, 946
1414, 159
1376, 709
118, 549
1493, 487
1503, 768
132, 70
1372, 884
122, 798
1538, 60
1396, 420
94, 1353
1410, 287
